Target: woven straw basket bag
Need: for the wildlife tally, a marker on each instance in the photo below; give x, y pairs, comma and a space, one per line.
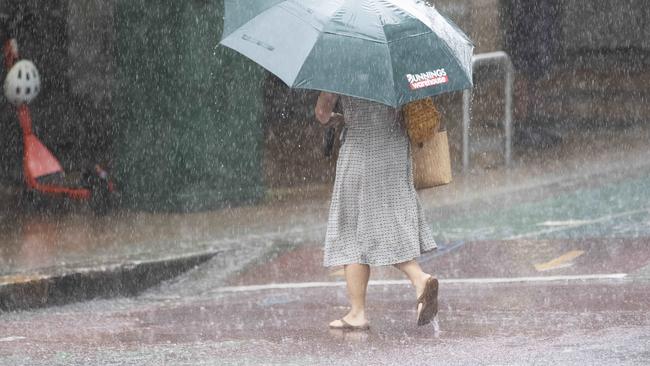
430, 147
421, 119
431, 162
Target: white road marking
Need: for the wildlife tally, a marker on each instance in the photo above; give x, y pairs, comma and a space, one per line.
577, 223
494, 280
11, 339
552, 223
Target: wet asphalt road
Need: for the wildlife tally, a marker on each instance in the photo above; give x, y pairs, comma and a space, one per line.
573, 323
559, 275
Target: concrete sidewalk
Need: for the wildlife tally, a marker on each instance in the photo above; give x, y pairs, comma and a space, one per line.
48, 259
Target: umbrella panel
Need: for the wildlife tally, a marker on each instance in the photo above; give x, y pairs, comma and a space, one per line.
392, 58
279, 46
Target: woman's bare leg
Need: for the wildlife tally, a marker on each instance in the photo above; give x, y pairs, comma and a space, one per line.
415, 274
356, 276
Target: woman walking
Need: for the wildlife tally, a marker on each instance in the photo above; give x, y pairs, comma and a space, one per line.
375, 217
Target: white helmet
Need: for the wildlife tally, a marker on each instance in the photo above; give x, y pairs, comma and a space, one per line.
22, 83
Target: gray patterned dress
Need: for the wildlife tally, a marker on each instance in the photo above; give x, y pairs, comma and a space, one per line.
375, 216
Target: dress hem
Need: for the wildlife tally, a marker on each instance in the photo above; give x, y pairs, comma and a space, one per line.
379, 264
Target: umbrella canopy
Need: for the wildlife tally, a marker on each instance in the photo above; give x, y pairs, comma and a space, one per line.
388, 51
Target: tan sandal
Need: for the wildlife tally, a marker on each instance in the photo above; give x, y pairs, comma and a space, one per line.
429, 301
347, 326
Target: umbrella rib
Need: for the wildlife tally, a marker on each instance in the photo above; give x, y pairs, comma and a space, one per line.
322, 30
430, 31
390, 57
338, 35
320, 35
276, 5
446, 45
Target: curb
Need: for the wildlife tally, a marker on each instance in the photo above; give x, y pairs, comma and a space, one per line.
22, 292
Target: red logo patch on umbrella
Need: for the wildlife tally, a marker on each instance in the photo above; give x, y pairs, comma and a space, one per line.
427, 79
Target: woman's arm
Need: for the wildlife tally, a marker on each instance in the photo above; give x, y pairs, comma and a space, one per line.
325, 106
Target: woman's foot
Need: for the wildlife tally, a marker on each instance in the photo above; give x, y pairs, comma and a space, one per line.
419, 289
351, 321
421, 284
427, 304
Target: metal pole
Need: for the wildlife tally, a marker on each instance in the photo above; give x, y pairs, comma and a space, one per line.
508, 91
467, 102
508, 110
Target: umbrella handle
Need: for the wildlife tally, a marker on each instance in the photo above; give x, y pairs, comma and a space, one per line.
328, 141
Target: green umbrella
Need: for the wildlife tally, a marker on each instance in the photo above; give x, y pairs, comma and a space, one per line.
388, 51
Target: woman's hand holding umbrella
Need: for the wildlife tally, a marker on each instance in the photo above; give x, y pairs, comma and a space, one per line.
335, 120
324, 110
